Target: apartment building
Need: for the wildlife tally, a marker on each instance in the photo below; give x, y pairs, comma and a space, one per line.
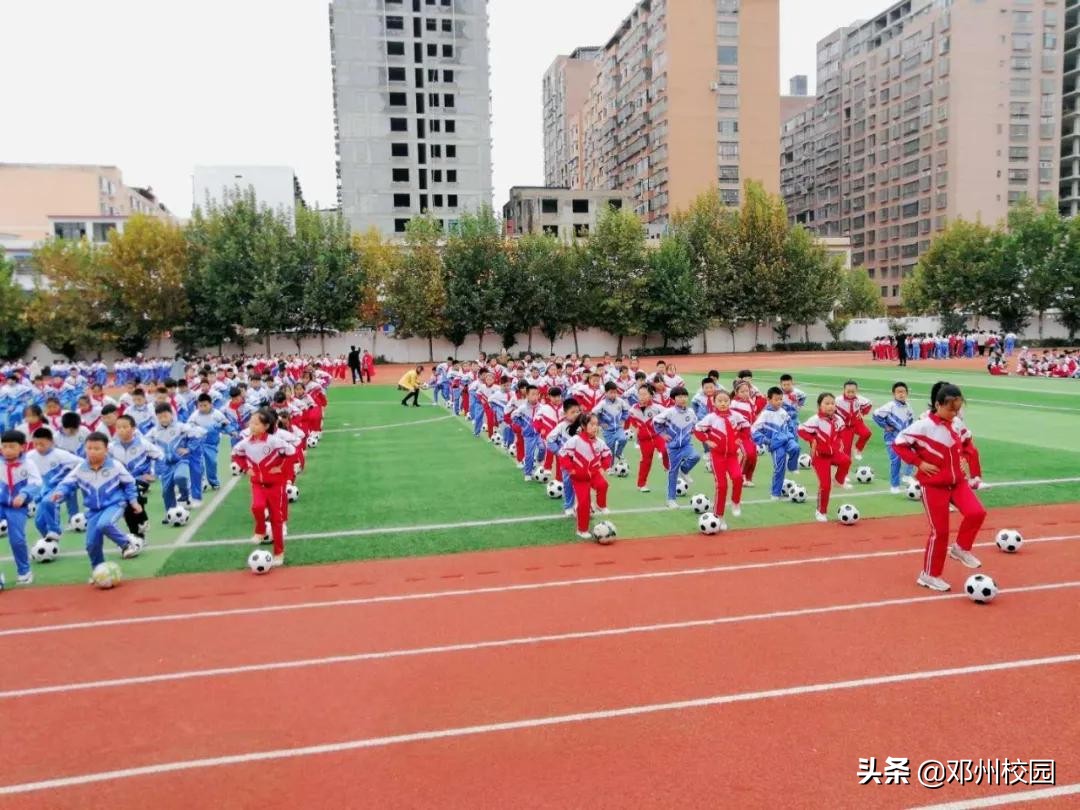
566, 86
683, 99
412, 114
561, 212
1069, 194
927, 112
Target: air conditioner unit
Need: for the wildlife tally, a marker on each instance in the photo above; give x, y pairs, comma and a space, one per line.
714, 86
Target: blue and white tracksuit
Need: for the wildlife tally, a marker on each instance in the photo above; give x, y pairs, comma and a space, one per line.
478, 392
72, 443
174, 468
214, 423
455, 379
441, 383
558, 437
676, 425
143, 416
499, 400
893, 417
53, 468
523, 416
106, 493
612, 415
18, 479
776, 429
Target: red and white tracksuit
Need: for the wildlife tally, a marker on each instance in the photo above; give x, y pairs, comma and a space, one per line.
748, 410
315, 392
824, 434
586, 459
545, 418
853, 410
946, 445
725, 431
266, 459
648, 439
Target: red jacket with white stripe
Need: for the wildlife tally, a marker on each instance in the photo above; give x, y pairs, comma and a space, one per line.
853, 410
264, 458
640, 419
726, 431
584, 456
943, 444
823, 434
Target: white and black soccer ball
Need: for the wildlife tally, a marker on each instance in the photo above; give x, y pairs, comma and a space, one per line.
709, 524
762, 449
260, 561
631, 435
3, 528
864, 475
804, 461
31, 508
621, 469
981, 588
847, 514
914, 491
788, 486
542, 475
106, 575
604, 532
178, 516
312, 440
45, 551
235, 468
1009, 540
797, 494
497, 440
555, 489
681, 487
292, 493
77, 522
511, 449
701, 504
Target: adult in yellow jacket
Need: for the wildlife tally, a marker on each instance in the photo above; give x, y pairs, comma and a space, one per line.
410, 382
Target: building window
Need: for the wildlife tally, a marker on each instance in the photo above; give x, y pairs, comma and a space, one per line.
728, 174
395, 48
581, 229
437, 200
447, 26
451, 151
1018, 177
401, 201
102, 231
729, 196
451, 125
436, 150
432, 49
396, 74
400, 175
398, 100
399, 150
448, 99
400, 225
436, 124
448, 76
551, 230
448, 51
580, 206
727, 55
725, 102
549, 205
395, 23
436, 175
451, 175
399, 124
431, 24
452, 200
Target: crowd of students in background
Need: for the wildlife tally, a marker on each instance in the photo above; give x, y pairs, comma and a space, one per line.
904, 347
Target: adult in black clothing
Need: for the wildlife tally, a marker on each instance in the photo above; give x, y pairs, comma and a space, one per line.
901, 349
354, 364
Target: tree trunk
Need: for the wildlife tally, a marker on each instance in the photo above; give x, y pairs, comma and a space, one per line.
618, 347
268, 344
757, 333
705, 340
430, 350
806, 332
1041, 324
374, 338
576, 350
480, 341
322, 342
529, 346
732, 330
551, 348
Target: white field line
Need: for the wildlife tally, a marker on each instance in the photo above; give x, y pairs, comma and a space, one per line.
1002, 799
202, 515
523, 641
384, 427
841, 495
466, 592
531, 723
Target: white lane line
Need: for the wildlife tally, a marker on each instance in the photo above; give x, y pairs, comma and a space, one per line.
384, 427
1002, 799
531, 723
463, 592
201, 516
522, 641
557, 516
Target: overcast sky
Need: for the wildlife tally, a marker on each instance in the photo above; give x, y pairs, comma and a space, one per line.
157, 88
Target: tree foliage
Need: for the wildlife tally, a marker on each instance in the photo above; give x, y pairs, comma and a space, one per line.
415, 294
673, 302
69, 312
16, 335
617, 261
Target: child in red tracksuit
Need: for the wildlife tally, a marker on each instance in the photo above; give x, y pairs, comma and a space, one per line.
723, 431
940, 446
744, 404
648, 440
824, 433
854, 409
587, 458
268, 459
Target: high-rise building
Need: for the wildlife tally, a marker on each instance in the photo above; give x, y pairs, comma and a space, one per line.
412, 110
566, 86
1070, 132
683, 100
797, 85
927, 112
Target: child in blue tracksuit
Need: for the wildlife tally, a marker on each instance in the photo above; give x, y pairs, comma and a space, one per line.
20, 483
775, 428
612, 411
177, 440
499, 400
53, 465
523, 418
893, 417
107, 489
214, 422
559, 436
138, 454
676, 425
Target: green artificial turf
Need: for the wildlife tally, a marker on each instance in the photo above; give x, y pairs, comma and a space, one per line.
401, 474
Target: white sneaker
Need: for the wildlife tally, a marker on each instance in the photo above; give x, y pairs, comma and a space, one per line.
858, 456
569, 512
52, 537
279, 560
748, 483
708, 464
736, 510
906, 479
672, 504
129, 551
521, 465
965, 557
643, 489
605, 511
846, 485
194, 504
723, 525
584, 535
256, 539
933, 583
528, 479
821, 518
688, 479
894, 490
774, 497
284, 530
25, 579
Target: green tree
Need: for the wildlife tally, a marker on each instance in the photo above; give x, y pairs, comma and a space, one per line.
331, 275
475, 254
1068, 295
415, 295
554, 268
69, 312
1033, 255
708, 229
379, 260
617, 250
673, 302
813, 281
520, 288
584, 290
757, 254
946, 277
15, 333
859, 296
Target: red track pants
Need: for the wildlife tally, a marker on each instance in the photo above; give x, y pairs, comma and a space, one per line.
648, 446
847, 437
489, 420
725, 467
823, 466
750, 464
583, 497
936, 502
270, 497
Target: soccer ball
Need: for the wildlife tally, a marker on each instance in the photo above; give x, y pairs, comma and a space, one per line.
621, 469
762, 449
555, 490
604, 532
681, 487
292, 493
312, 440
1009, 540
709, 523
45, 551
804, 461
788, 486
177, 516
700, 504
848, 514
497, 440
797, 494
107, 575
235, 468
914, 491
3, 528
31, 509
864, 475
631, 435
260, 561
77, 522
511, 449
980, 588
542, 475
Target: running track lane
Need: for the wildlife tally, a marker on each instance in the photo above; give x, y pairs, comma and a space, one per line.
233, 714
